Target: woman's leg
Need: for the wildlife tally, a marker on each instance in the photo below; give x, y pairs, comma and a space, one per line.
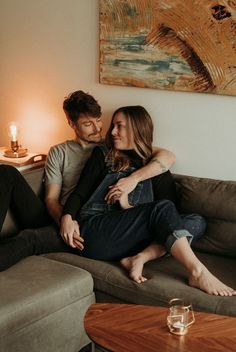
15, 193
195, 224
123, 233
199, 277
134, 264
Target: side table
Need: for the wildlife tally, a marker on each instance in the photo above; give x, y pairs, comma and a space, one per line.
28, 162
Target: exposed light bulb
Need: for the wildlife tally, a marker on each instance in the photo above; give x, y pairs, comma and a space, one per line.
13, 131
16, 151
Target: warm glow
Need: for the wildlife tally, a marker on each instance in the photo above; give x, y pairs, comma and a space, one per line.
43, 125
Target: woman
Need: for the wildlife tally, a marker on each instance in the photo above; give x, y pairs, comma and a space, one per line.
137, 227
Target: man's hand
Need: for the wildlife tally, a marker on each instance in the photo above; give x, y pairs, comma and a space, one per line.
124, 185
70, 232
77, 239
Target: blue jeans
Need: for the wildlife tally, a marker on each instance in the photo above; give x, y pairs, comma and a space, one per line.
111, 233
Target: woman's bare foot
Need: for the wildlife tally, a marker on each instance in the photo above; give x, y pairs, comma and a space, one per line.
134, 265
203, 279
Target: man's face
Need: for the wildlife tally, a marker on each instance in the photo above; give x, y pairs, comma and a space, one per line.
88, 129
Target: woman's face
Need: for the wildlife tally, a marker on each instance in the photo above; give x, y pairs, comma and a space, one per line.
121, 134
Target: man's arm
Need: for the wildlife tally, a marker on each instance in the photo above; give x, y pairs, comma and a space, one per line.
53, 181
161, 162
52, 196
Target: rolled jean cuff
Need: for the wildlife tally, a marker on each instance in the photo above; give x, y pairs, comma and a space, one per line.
176, 235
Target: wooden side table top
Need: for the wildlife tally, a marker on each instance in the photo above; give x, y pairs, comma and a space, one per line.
129, 328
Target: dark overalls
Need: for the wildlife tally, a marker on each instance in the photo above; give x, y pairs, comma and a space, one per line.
111, 233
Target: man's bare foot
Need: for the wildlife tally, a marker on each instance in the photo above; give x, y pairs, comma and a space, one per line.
203, 279
134, 265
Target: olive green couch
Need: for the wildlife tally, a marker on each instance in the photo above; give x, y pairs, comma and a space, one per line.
43, 299
216, 201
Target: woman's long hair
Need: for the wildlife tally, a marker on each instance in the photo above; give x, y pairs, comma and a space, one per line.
140, 126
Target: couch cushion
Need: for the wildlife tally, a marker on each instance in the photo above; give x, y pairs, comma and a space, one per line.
37, 287
167, 279
216, 201
220, 238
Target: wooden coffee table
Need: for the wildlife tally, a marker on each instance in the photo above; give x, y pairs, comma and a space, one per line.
137, 328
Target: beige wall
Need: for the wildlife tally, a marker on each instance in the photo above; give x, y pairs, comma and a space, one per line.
50, 48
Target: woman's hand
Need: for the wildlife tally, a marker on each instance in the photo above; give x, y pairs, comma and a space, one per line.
70, 232
125, 184
123, 200
117, 196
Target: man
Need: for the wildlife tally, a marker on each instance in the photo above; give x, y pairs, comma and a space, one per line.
66, 160
62, 170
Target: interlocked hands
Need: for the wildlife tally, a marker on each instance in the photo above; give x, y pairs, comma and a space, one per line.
70, 232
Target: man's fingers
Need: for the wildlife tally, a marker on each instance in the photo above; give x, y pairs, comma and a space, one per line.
78, 244
78, 237
78, 240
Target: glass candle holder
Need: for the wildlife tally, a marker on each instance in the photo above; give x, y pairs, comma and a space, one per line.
180, 316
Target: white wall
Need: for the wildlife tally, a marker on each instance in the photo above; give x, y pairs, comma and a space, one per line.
50, 48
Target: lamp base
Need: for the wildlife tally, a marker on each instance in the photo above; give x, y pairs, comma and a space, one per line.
19, 154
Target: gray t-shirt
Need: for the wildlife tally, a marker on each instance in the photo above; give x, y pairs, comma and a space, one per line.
64, 164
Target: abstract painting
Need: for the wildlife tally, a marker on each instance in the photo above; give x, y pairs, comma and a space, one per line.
181, 45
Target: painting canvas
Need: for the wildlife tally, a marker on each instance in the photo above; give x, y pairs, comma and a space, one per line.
182, 45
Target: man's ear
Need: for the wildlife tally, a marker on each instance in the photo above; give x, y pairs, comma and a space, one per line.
70, 123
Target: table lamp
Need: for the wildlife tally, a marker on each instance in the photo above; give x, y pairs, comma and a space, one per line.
16, 151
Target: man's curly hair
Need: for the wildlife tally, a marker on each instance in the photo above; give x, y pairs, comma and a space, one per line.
81, 103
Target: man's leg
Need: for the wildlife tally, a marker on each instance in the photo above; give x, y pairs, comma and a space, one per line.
15, 193
31, 242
